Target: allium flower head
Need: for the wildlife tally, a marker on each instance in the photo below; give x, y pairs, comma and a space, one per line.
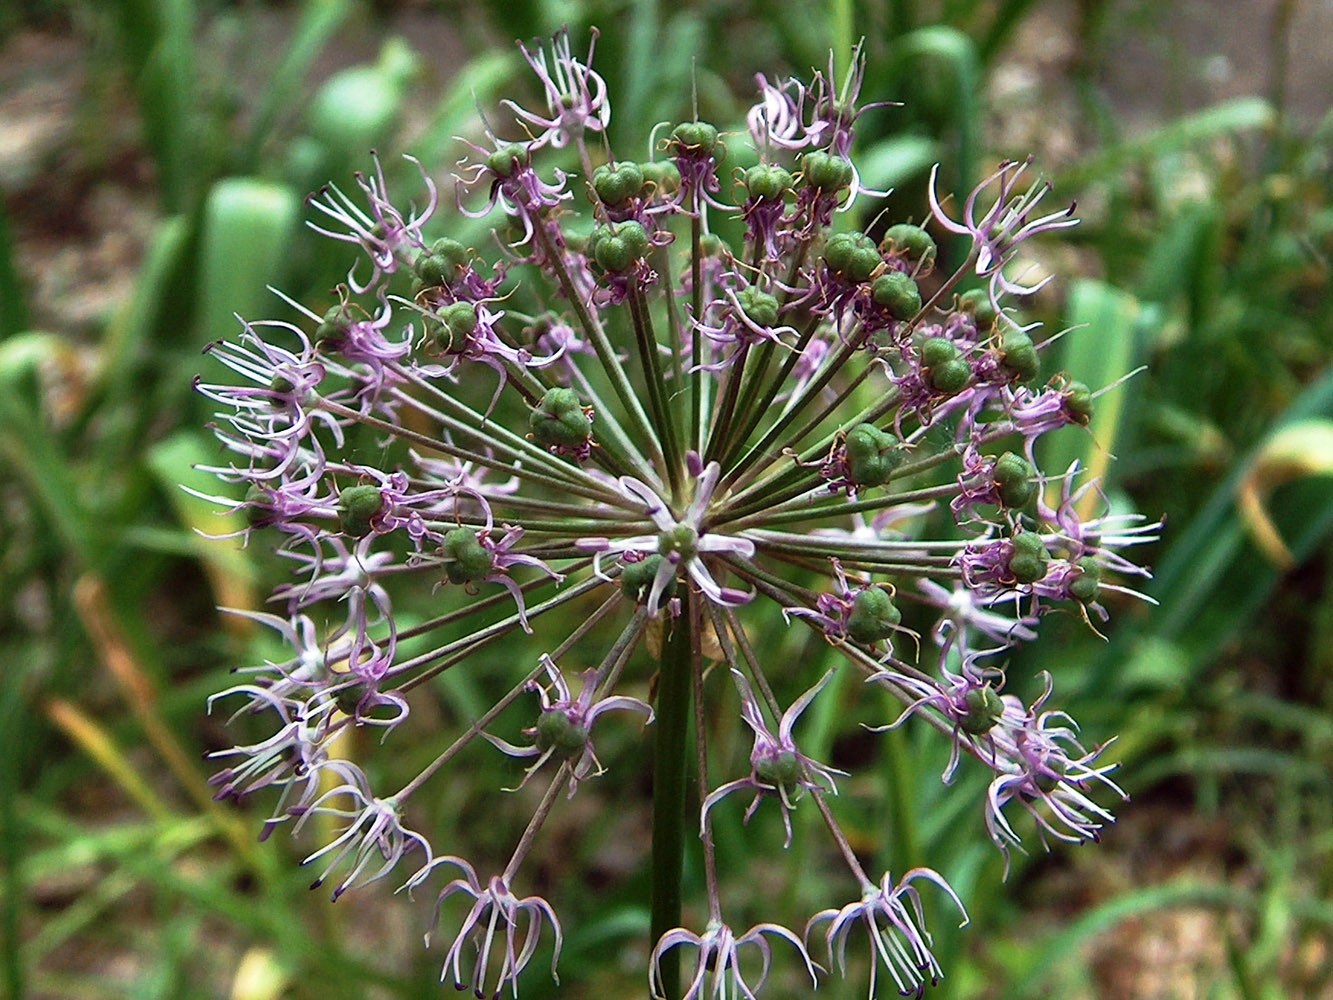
612, 437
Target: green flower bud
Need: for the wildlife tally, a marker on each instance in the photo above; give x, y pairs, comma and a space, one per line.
1015, 479
781, 771
912, 243
506, 160
560, 420
873, 616
852, 256
557, 731
872, 455
617, 183
1018, 354
438, 265
696, 137
332, 329
472, 561
450, 327
946, 370
348, 698
767, 182
357, 507
984, 709
825, 172
711, 245
761, 307
1028, 562
951, 377
258, 507
938, 351
636, 579
660, 177
1078, 402
681, 539
1087, 584
896, 294
619, 246
1049, 782
977, 302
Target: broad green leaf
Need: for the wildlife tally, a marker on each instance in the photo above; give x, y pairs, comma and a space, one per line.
246, 241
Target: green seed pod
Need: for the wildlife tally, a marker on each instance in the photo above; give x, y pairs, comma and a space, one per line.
825, 172
1078, 402
617, 183
357, 508
761, 307
781, 771
1015, 479
872, 455
767, 182
984, 709
460, 318
332, 329
472, 561
711, 245
977, 302
1027, 564
852, 256
1087, 584
557, 731
938, 351
258, 507
560, 420
348, 698
912, 243
681, 539
873, 616
506, 160
438, 265
636, 579
661, 177
619, 246
896, 294
950, 377
698, 138
1018, 354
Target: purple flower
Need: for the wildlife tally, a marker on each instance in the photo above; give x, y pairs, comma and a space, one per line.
374, 834
718, 962
777, 767
998, 230
564, 728
389, 238
497, 916
895, 920
575, 95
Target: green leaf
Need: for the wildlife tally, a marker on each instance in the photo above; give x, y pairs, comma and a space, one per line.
1103, 349
247, 234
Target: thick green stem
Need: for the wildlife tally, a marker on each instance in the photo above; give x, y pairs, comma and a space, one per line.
671, 752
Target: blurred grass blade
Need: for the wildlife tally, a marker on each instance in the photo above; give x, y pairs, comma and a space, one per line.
248, 229
942, 67
230, 572
97, 743
34, 453
1104, 351
318, 21
13, 309
1239, 115
895, 161
1301, 449
167, 104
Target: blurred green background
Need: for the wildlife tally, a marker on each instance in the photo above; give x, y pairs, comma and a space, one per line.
153, 159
